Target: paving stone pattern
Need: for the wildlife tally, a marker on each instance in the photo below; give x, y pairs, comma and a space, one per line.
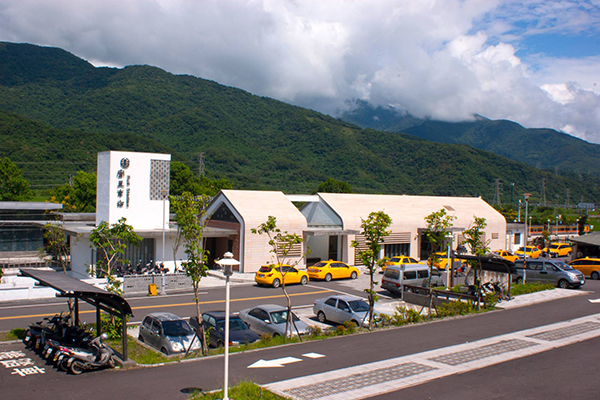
357, 381
490, 350
561, 333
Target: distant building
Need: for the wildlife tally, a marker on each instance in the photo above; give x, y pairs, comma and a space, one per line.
21, 231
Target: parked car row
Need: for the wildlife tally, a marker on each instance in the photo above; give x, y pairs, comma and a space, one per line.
171, 334
276, 275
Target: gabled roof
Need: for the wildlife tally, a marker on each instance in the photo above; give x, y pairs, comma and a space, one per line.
256, 206
408, 209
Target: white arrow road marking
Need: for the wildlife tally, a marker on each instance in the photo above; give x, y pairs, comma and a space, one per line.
594, 300
277, 363
313, 355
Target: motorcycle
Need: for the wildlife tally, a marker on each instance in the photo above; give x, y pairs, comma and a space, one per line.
97, 355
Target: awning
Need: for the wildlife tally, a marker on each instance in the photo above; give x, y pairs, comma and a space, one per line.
76, 289
71, 287
492, 264
590, 239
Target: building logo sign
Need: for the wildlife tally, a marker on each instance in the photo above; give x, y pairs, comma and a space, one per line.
123, 184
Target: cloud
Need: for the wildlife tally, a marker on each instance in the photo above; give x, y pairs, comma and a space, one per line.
443, 59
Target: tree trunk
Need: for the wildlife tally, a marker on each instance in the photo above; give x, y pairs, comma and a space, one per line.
202, 335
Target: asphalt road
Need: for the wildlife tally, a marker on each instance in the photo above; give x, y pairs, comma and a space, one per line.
557, 373
20, 314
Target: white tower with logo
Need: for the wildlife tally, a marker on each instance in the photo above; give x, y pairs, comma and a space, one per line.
133, 185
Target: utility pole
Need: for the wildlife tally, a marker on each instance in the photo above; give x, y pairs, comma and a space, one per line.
497, 193
567, 199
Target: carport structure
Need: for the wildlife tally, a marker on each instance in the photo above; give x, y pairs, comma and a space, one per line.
74, 288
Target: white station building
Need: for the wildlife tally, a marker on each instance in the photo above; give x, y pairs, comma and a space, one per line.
135, 186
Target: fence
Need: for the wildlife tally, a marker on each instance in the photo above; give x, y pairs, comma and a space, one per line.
172, 282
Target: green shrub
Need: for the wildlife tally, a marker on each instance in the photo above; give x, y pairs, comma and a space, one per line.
350, 327
526, 288
314, 331
340, 330
454, 308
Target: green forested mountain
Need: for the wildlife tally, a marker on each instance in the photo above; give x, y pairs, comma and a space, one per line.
541, 148
59, 111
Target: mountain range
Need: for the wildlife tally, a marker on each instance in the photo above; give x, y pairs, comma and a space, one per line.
57, 111
541, 148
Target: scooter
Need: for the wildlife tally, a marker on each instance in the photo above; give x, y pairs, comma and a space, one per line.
98, 355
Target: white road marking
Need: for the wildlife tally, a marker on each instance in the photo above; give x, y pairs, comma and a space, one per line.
313, 355
277, 363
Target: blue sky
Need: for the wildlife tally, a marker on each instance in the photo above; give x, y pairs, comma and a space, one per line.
533, 62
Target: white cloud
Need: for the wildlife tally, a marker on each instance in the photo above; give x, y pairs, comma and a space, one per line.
446, 59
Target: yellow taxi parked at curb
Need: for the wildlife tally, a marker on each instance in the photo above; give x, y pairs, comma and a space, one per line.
328, 270
272, 275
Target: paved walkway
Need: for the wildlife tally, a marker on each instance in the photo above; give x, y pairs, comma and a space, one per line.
367, 380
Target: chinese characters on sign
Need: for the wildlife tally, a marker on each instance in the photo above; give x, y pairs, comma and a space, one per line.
21, 365
123, 184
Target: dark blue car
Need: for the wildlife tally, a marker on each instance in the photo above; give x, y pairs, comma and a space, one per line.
239, 333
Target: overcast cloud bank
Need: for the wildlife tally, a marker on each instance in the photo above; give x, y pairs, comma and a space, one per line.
446, 59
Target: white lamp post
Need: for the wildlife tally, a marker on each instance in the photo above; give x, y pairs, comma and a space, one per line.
227, 262
526, 195
165, 193
449, 265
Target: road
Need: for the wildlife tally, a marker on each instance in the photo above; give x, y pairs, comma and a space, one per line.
554, 373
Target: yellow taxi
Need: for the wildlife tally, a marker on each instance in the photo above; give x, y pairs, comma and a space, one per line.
587, 266
507, 255
397, 260
528, 252
442, 260
556, 249
274, 275
329, 270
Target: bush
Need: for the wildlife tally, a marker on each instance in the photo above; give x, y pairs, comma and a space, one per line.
526, 288
314, 331
350, 327
111, 325
454, 308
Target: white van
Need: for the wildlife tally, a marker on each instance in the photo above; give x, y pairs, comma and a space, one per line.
409, 274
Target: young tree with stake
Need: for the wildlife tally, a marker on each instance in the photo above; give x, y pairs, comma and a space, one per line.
281, 244
374, 230
190, 213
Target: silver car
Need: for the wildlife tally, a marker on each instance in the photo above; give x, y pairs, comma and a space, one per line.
167, 332
342, 308
271, 319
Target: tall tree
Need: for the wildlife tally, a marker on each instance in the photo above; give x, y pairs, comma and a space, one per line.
56, 244
190, 212
282, 243
374, 230
78, 195
182, 180
438, 228
110, 242
13, 187
478, 246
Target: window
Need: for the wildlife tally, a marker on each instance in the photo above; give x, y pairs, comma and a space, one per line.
517, 238
330, 302
342, 305
148, 322
391, 273
259, 314
399, 249
410, 275
423, 273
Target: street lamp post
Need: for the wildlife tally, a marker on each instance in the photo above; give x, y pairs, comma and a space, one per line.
526, 195
449, 265
165, 193
227, 262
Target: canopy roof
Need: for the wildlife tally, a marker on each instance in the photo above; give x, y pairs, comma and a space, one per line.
71, 287
493, 264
